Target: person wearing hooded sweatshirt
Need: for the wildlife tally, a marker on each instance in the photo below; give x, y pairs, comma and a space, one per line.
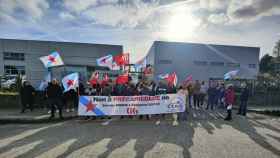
229, 98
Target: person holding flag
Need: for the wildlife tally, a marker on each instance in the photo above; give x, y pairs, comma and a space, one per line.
70, 84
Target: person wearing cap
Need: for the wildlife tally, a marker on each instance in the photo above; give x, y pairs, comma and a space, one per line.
243, 100
229, 98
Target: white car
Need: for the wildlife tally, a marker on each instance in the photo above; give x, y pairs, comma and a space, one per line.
10, 82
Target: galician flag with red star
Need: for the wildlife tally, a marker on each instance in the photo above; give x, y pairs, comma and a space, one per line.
70, 81
52, 60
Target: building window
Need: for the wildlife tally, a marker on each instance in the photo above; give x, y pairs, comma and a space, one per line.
252, 66
13, 56
14, 70
200, 63
217, 63
165, 61
233, 64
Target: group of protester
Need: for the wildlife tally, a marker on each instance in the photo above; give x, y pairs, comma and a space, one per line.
219, 95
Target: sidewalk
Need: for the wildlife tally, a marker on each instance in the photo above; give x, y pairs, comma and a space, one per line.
263, 108
37, 116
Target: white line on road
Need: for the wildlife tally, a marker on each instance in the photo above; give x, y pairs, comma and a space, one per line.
108, 122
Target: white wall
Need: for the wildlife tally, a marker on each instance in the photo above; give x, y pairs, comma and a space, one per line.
72, 54
180, 57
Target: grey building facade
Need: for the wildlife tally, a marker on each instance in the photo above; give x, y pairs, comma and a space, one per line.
203, 61
22, 57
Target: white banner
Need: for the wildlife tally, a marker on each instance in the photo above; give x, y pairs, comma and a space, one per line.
131, 105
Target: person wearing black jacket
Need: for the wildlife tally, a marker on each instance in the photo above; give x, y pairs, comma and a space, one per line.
161, 89
54, 95
27, 93
243, 100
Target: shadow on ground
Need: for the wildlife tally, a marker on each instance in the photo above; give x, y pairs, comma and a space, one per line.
144, 134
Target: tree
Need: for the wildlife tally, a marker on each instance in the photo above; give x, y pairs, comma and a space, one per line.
276, 50
266, 64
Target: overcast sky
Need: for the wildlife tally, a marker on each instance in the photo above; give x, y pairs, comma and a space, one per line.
135, 24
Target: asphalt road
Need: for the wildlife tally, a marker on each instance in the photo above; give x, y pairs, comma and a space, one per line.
204, 135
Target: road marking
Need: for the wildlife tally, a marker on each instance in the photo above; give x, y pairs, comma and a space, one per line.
94, 149
58, 150
10, 140
108, 122
17, 151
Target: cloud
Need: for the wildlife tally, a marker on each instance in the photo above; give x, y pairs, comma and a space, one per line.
218, 18
33, 9
239, 11
77, 6
66, 16
129, 15
213, 5
136, 14
242, 10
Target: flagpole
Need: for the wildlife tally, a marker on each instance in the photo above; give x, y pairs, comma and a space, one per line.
50, 71
78, 90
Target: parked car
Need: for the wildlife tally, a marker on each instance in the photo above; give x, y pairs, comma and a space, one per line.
9, 82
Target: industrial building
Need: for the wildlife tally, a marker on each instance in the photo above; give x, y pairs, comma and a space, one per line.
22, 57
203, 61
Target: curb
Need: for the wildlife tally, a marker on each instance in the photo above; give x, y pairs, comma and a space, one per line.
35, 121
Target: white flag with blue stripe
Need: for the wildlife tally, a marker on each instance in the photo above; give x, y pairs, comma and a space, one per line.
52, 60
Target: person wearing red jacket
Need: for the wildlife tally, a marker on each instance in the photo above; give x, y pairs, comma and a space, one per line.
229, 99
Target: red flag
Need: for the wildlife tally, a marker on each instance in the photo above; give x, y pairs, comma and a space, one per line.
122, 59
122, 79
94, 78
188, 80
148, 70
172, 79
105, 79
